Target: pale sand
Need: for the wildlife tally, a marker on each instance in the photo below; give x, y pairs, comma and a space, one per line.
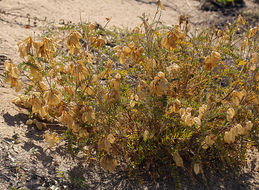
123, 13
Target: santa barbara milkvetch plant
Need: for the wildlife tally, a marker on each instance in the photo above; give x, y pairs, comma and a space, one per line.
147, 97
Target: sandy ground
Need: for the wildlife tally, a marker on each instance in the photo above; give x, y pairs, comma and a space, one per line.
25, 159
123, 13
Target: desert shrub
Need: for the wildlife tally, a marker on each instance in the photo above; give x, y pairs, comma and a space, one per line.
148, 97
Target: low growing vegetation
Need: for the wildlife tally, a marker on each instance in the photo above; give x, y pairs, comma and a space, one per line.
150, 97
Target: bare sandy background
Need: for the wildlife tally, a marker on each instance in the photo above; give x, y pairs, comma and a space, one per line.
22, 146
124, 13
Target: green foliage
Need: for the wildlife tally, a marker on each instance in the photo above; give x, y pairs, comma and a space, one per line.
229, 2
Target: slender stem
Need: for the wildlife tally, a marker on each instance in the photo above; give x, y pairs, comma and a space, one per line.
235, 83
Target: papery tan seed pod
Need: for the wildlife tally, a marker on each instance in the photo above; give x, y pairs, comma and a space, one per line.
86, 117
145, 135
237, 96
43, 112
188, 120
15, 72
184, 115
29, 122
249, 125
173, 69
136, 30
74, 126
83, 133
177, 102
18, 86
230, 114
202, 110
227, 138
89, 90
242, 94
66, 119
257, 77
172, 109
240, 129
197, 121
40, 125
161, 74
25, 47
232, 135
211, 60
136, 97
111, 138
42, 86
100, 42
91, 27
181, 111
252, 32
131, 45
244, 44
115, 84
17, 101
253, 97
51, 139
255, 58
234, 131
200, 116
175, 107
204, 145
178, 159
8, 66
252, 67
95, 79
108, 163
36, 107
117, 76
162, 7
104, 145
126, 50
210, 139
197, 168
132, 103
240, 20
219, 33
